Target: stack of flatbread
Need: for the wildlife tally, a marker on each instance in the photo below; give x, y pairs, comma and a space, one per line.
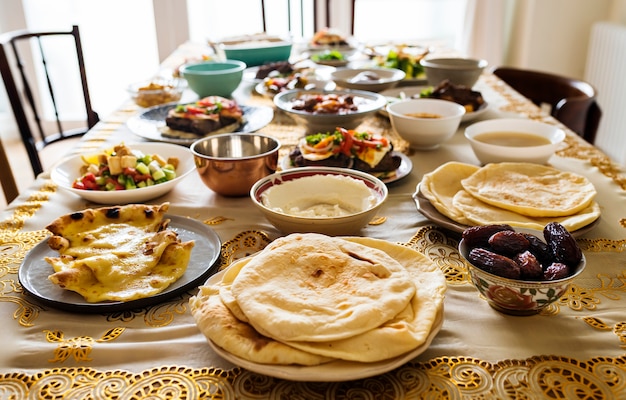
308, 299
519, 194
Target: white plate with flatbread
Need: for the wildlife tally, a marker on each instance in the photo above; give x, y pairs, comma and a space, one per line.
34, 271
151, 123
431, 213
231, 289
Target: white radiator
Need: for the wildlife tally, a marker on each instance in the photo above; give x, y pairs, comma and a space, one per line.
606, 70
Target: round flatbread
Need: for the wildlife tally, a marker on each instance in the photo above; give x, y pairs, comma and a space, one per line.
312, 287
221, 326
440, 186
481, 213
408, 329
531, 189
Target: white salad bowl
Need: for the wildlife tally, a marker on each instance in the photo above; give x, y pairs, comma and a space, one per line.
66, 171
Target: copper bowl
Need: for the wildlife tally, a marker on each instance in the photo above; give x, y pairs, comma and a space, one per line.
229, 164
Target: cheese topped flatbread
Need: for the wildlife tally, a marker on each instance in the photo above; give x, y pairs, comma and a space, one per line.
119, 253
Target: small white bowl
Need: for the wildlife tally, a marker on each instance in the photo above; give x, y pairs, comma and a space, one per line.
371, 79
66, 171
517, 128
307, 199
425, 133
460, 71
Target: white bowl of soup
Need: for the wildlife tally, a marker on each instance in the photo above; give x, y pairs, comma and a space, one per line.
425, 123
514, 140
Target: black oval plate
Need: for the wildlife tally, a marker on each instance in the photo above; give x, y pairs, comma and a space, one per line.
150, 123
34, 271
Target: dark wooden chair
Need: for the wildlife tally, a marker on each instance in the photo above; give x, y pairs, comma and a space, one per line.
9, 187
24, 56
571, 101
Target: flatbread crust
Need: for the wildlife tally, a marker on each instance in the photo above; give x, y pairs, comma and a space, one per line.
440, 186
480, 213
310, 287
531, 189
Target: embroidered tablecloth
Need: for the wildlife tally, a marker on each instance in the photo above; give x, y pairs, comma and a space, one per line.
575, 348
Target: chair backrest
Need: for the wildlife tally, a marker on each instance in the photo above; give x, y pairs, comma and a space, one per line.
19, 73
7, 179
571, 101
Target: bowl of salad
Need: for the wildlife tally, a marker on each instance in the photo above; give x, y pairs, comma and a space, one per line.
124, 173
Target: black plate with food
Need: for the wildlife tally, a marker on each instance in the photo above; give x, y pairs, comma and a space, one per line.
34, 271
405, 168
151, 123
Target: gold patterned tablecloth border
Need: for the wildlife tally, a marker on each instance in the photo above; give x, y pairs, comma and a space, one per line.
444, 377
553, 376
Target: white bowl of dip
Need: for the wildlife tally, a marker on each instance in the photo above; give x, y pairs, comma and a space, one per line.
331, 201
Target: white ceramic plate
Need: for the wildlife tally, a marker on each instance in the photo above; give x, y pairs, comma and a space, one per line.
429, 211
334, 371
34, 271
405, 167
67, 171
396, 94
151, 122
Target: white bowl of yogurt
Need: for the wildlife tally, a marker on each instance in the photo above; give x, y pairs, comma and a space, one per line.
331, 201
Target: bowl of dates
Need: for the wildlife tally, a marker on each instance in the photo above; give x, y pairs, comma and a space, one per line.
521, 271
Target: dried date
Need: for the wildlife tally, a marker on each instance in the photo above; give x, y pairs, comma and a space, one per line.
556, 271
562, 244
494, 263
508, 242
530, 268
539, 248
533, 259
478, 236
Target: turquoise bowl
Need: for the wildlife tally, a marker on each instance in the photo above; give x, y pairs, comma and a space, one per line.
254, 55
213, 78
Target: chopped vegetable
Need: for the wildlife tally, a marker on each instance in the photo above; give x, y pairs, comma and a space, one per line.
121, 168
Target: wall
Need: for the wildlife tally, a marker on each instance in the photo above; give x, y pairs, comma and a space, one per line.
553, 35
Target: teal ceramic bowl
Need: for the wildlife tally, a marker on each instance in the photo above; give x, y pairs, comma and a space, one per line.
213, 78
259, 53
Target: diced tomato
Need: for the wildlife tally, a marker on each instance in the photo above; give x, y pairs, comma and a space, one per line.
195, 110
78, 184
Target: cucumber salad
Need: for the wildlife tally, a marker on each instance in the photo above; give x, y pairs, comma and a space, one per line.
122, 168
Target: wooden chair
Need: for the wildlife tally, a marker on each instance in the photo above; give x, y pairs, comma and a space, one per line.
571, 101
18, 65
9, 187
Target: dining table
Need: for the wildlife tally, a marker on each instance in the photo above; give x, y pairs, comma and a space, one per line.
574, 348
